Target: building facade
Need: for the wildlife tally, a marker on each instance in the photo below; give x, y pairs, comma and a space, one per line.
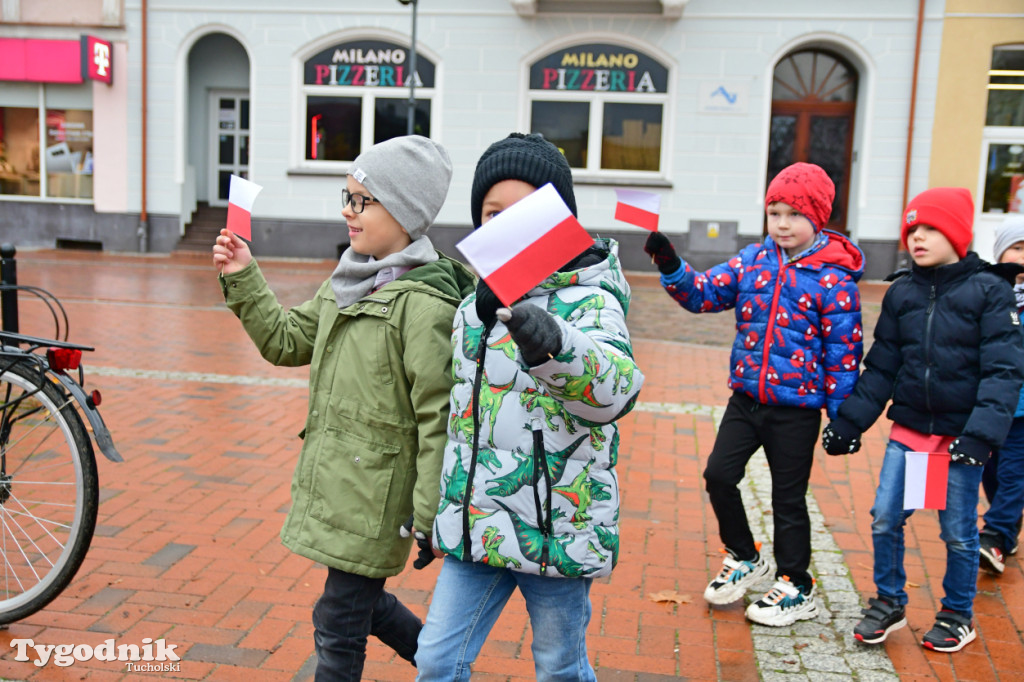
699, 101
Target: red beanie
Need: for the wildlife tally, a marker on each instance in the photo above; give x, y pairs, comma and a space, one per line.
805, 187
950, 210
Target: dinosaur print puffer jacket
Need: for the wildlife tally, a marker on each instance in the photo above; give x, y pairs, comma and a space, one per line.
799, 339
528, 481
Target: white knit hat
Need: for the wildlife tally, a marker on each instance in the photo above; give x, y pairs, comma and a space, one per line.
1008, 234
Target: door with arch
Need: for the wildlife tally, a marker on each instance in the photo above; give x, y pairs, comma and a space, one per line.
814, 103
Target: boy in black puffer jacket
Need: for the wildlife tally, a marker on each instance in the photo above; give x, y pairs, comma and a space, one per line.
948, 353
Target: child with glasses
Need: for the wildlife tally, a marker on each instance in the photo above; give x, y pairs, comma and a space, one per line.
377, 339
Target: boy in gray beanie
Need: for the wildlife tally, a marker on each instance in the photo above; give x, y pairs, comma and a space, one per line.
1003, 477
377, 336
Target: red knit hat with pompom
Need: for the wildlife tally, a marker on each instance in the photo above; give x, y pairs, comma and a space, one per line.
807, 188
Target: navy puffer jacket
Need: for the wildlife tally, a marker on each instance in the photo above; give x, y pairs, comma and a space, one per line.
947, 352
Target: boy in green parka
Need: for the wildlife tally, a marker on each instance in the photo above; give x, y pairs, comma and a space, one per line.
377, 339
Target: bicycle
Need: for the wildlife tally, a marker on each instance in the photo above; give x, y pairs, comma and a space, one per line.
49, 487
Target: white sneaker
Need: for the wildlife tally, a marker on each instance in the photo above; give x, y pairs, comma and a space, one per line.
784, 604
735, 578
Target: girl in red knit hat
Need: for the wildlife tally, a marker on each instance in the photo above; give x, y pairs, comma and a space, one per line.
947, 352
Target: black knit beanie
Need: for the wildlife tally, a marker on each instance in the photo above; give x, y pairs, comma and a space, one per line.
529, 158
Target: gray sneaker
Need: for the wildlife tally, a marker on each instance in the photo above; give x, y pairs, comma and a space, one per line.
735, 578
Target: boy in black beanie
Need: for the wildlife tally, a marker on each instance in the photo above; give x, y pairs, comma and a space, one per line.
529, 494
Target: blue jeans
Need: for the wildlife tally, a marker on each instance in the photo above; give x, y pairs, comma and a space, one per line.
468, 599
958, 521
1003, 482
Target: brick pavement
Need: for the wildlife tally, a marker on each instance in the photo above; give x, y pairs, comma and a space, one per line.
187, 548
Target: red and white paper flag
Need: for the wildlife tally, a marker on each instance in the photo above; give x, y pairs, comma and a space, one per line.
925, 479
241, 195
638, 208
525, 243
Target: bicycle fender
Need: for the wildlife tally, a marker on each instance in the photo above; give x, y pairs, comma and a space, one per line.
100, 432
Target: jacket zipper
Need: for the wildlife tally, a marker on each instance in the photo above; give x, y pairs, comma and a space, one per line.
928, 356
467, 497
772, 312
540, 469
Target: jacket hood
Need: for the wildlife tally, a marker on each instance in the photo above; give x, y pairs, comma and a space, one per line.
446, 275
838, 251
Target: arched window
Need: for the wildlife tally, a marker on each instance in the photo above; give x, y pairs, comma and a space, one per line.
814, 101
603, 105
356, 95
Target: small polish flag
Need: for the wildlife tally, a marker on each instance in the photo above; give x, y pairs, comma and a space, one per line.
525, 243
638, 208
924, 480
241, 195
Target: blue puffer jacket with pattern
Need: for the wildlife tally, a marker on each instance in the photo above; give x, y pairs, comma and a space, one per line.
799, 339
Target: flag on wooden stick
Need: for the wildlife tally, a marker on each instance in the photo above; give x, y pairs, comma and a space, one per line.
525, 243
638, 208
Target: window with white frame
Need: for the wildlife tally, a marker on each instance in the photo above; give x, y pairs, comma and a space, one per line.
603, 105
355, 94
1004, 132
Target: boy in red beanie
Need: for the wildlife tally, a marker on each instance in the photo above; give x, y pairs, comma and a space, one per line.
948, 353
797, 349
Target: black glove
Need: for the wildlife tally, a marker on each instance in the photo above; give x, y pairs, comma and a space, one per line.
535, 332
487, 302
840, 437
426, 551
969, 451
661, 251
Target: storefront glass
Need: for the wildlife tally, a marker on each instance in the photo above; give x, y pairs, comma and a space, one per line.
356, 95
1004, 132
69, 160
602, 104
19, 151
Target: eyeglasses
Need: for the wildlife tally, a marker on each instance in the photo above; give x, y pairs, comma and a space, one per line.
358, 202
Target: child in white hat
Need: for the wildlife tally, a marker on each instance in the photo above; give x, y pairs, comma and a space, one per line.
1003, 478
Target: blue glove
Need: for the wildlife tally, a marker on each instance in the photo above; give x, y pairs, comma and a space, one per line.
840, 437
969, 451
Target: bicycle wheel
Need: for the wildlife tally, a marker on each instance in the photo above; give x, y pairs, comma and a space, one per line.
49, 491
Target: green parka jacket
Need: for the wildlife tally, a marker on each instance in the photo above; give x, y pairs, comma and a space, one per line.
380, 376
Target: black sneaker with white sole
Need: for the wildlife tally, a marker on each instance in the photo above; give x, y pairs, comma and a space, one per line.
880, 618
951, 632
991, 557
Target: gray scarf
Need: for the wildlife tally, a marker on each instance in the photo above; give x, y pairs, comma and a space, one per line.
356, 274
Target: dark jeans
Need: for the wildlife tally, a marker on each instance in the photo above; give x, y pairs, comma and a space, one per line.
788, 435
351, 608
1003, 481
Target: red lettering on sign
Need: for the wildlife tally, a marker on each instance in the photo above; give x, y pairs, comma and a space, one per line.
588, 75
322, 71
357, 74
550, 76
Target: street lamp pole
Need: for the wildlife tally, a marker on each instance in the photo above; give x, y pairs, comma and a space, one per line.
412, 71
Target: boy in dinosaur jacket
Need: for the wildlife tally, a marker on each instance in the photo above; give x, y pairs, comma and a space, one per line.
529, 494
797, 349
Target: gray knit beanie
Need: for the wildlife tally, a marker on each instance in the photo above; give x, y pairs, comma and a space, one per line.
410, 176
529, 158
1008, 234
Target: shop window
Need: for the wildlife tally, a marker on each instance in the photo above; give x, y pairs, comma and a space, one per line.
1004, 132
19, 151
603, 105
1006, 87
356, 94
57, 120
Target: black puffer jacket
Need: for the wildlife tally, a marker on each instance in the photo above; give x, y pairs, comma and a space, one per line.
948, 353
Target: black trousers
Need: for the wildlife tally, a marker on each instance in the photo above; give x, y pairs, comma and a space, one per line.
788, 436
351, 608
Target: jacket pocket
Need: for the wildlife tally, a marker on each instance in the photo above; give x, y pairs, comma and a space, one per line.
352, 482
